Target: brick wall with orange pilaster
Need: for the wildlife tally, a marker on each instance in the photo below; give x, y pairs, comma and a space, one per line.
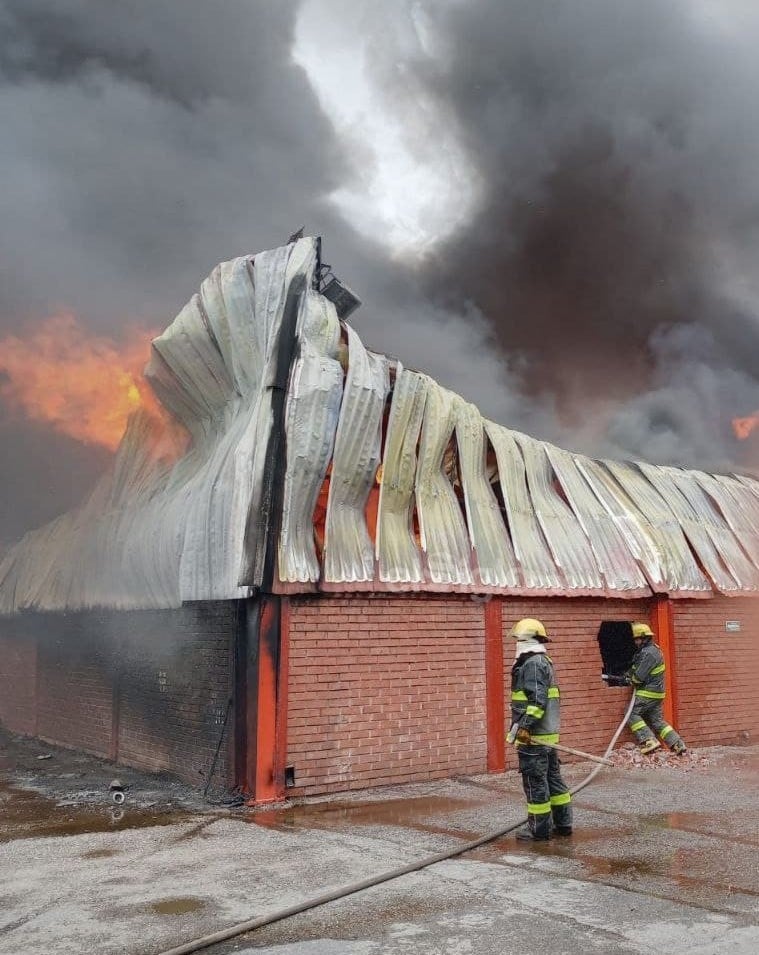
590, 710
385, 689
717, 670
18, 679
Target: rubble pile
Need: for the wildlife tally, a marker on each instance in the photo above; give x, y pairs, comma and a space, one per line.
628, 756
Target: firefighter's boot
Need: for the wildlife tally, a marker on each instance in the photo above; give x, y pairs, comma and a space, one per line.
527, 835
650, 745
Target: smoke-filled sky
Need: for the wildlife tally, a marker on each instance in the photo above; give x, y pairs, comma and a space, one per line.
551, 207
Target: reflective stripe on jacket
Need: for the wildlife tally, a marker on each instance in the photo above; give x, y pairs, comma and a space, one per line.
535, 697
647, 672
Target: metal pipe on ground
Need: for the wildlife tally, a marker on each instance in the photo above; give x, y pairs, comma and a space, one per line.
342, 892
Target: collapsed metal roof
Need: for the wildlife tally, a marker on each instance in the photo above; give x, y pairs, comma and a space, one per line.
388, 482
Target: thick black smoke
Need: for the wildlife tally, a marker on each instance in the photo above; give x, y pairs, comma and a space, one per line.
614, 248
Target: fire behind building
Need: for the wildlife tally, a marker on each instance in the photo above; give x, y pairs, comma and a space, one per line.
301, 578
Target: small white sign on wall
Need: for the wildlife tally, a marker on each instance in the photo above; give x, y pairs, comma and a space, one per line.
732, 626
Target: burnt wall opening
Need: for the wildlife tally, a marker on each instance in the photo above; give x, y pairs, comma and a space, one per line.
616, 644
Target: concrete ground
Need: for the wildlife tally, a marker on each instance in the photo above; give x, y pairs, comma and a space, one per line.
663, 860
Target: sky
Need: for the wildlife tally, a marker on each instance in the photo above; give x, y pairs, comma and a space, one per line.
550, 207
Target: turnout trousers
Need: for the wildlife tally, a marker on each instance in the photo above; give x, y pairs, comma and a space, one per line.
646, 719
548, 797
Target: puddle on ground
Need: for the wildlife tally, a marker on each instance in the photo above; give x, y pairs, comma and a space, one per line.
178, 906
407, 813
26, 814
716, 825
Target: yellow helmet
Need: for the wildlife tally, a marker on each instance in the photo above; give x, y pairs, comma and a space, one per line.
641, 630
529, 627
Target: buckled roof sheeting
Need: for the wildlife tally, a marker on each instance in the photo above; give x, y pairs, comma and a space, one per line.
389, 481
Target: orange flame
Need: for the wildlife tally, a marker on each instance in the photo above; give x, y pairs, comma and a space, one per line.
744, 426
83, 385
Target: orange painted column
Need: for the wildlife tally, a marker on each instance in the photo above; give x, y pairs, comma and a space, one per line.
494, 703
265, 782
283, 672
662, 623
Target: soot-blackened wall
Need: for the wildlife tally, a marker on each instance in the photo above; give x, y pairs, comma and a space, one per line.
149, 689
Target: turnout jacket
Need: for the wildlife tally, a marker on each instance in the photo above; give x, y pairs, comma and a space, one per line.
647, 672
535, 697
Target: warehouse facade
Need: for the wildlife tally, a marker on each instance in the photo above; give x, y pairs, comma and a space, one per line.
312, 594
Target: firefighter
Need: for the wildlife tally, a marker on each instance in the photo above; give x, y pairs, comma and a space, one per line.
535, 723
646, 674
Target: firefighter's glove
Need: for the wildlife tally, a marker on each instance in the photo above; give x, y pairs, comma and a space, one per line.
612, 680
518, 734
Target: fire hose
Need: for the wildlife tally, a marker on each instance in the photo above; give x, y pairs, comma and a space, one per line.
345, 890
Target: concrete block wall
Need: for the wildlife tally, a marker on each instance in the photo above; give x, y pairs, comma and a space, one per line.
717, 670
384, 689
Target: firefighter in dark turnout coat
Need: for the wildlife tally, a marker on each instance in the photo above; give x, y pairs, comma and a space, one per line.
534, 724
646, 675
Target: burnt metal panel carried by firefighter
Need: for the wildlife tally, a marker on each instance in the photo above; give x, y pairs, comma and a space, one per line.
279, 417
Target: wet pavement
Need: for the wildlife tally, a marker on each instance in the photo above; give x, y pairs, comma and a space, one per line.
664, 858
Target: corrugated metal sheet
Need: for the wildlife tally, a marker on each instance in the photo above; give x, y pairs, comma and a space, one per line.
618, 566
710, 536
399, 558
444, 538
159, 530
462, 503
682, 573
348, 548
495, 560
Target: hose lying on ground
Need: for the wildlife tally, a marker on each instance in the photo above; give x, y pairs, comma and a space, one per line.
242, 927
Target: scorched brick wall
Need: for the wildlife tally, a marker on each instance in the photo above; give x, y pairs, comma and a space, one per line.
385, 689
18, 674
148, 688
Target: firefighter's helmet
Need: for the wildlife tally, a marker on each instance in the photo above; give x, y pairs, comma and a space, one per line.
641, 631
529, 628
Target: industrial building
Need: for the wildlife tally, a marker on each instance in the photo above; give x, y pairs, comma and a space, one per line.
299, 580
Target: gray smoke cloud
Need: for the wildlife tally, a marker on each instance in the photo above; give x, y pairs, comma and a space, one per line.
601, 296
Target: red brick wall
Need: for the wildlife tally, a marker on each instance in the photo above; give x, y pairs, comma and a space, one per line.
590, 710
18, 674
717, 671
385, 689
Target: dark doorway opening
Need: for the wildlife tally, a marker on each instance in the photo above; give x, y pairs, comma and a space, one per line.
617, 646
